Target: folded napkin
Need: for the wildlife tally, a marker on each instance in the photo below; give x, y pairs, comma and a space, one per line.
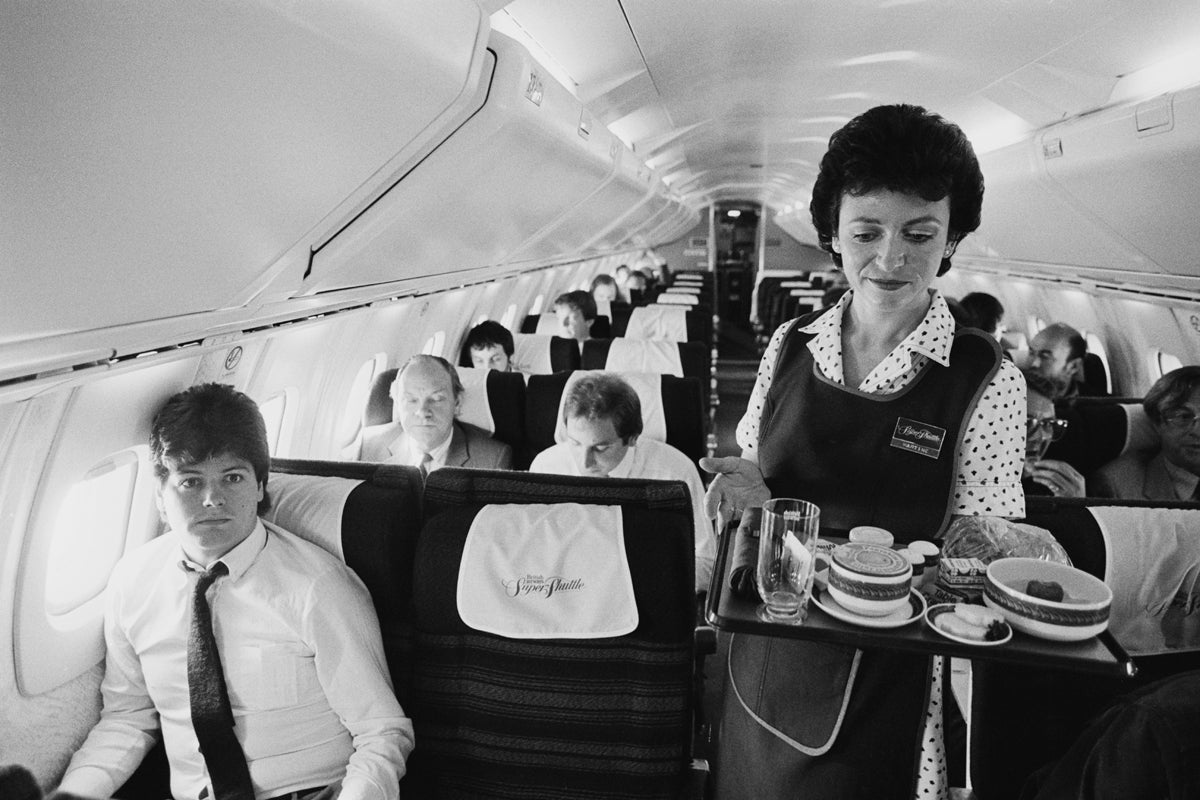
547, 572
644, 355
661, 322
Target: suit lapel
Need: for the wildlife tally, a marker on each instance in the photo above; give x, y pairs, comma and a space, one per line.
459, 453
1158, 483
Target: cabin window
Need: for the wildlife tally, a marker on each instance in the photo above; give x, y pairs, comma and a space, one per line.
1094, 345
536, 308
510, 316
276, 411
90, 531
352, 412
1161, 363
481, 318
1034, 326
433, 345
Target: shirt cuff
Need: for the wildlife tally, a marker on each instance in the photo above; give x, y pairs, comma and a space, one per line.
87, 781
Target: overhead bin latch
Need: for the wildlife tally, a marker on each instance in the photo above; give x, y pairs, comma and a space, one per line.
1155, 116
533, 92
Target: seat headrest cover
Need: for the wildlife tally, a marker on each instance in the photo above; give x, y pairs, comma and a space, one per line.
1152, 565
644, 355
649, 391
1141, 435
677, 299
475, 408
547, 323
531, 353
665, 323
311, 507
555, 571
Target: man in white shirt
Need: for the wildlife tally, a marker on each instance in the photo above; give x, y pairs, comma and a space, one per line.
425, 432
297, 689
603, 420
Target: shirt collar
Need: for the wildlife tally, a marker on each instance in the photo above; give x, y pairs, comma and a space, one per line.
933, 337
623, 469
437, 454
1183, 481
237, 560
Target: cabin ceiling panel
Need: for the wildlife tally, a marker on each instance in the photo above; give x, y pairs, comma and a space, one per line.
160, 158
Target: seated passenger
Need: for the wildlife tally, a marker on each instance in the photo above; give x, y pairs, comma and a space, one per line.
257, 653
424, 432
603, 420
1042, 476
1173, 473
984, 312
576, 311
604, 289
490, 346
635, 288
1057, 353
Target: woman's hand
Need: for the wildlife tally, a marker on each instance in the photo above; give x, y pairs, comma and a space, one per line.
739, 485
1059, 477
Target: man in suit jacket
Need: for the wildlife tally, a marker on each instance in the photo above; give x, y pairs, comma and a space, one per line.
426, 397
1173, 405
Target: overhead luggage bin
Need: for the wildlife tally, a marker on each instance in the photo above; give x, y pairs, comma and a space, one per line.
204, 147
517, 182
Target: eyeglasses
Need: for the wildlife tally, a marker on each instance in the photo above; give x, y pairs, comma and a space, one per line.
1057, 428
1180, 420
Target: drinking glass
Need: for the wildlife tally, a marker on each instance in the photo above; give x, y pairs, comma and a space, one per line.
787, 547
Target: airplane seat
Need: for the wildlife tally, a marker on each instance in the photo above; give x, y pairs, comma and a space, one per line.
546, 323
672, 411
542, 354
658, 322
492, 400
620, 313
1024, 717
1095, 376
369, 516
1098, 430
682, 359
542, 689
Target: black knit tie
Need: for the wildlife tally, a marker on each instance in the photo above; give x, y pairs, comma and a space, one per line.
212, 716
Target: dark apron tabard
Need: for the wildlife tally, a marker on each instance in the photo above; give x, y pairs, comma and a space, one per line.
810, 720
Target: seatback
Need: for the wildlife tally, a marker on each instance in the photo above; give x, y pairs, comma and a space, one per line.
1025, 717
542, 354
368, 515
500, 411
501, 717
546, 324
1099, 430
693, 357
682, 407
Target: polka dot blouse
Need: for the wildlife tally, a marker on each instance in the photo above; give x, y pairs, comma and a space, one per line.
989, 463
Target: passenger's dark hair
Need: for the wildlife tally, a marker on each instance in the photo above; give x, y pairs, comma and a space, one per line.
1170, 391
1037, 382
603, 280
832, 295
206, 421
455, 382
900, 148
984, 311
1076, 344
961, 318
601, 395
579, 300
487, 334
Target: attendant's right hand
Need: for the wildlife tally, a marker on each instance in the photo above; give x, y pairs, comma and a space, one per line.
739, 485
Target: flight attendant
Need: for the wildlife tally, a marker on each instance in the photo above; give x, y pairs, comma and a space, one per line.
881, 412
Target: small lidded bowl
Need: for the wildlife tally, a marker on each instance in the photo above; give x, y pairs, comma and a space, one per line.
869, 579
1047, 599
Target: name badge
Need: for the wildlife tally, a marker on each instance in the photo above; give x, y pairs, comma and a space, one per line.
918, 437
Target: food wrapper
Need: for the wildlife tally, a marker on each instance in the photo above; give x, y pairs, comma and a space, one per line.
989, 538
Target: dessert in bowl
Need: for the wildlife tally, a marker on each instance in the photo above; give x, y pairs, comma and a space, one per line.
1047, 599
869, 579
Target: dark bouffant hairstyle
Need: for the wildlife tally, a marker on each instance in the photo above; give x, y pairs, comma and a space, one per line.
579, 300
1170, 391
488, 333
206, 421
600, 395
900, 148
983, 310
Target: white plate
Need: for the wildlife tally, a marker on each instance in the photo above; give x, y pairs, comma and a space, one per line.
914, 610
944, 608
